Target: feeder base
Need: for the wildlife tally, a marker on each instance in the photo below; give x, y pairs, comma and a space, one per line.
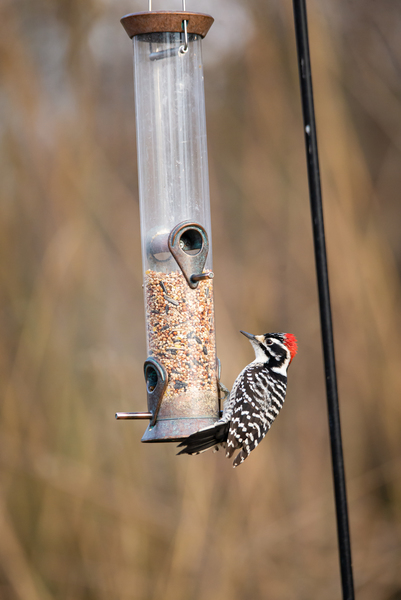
175, 430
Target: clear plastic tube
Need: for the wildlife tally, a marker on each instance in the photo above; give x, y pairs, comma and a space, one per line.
174, 188
171, 141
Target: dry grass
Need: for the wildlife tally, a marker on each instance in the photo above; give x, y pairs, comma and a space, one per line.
86, 511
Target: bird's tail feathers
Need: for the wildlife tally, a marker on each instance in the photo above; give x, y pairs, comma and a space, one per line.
204, 439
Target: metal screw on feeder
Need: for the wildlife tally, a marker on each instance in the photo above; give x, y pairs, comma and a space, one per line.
181, 376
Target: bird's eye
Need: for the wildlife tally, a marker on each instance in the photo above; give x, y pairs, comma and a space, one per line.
269, 342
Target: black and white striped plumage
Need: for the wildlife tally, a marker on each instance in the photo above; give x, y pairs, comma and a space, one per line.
255, 400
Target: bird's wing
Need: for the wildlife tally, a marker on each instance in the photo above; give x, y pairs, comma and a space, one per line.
249, 421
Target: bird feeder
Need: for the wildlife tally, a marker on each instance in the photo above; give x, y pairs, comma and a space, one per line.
180, 371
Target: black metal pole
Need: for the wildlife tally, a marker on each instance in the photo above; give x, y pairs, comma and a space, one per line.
312, 157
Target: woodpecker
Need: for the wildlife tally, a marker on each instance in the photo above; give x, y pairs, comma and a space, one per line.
254, 402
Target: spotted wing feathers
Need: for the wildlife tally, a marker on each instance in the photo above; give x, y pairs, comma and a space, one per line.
258, 399
255, 400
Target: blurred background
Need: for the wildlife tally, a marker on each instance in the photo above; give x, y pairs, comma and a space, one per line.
86, 510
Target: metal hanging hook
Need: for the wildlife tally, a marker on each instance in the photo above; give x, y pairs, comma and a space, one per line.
150, 6
184, 47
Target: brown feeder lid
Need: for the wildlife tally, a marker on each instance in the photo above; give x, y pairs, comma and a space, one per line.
156, 21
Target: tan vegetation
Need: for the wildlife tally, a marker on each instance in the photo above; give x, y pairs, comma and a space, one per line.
86, 510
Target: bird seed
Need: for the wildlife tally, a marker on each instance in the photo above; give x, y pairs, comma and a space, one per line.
181, 334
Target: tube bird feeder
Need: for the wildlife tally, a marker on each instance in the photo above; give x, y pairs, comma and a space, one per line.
180, 371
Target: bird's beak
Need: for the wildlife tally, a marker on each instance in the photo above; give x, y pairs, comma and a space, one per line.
250, 336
